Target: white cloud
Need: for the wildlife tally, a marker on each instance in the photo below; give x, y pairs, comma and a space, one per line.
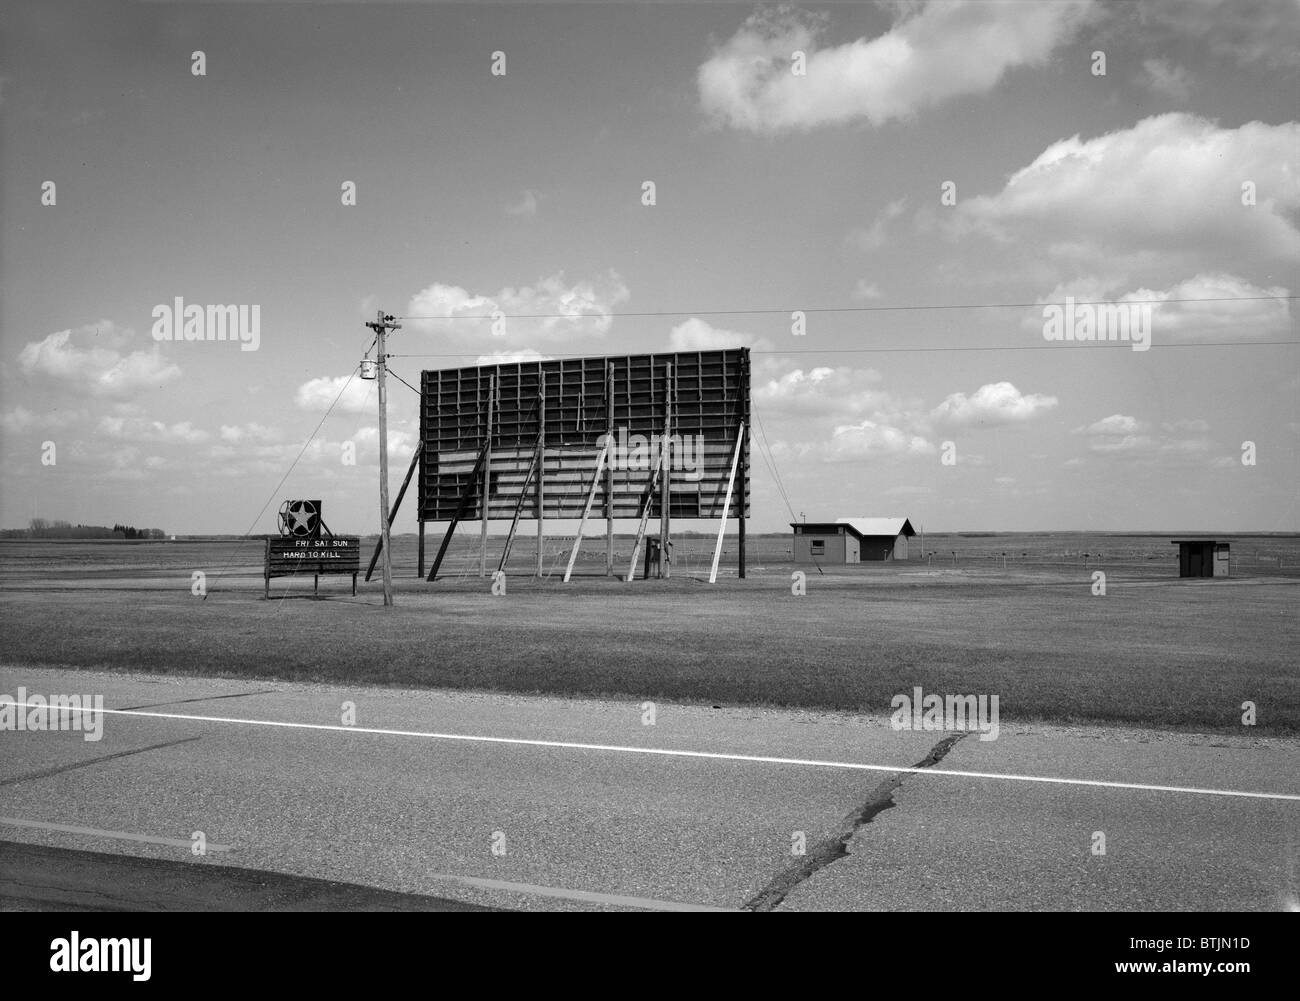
934, 52
1231, 308
87, 360
510, 357
1115, 424
317, 395
138, 429
1172, 185
869, 438
1209, 306
1124, 435
400, 443
697, 335
993, 403
824, 391
551, 310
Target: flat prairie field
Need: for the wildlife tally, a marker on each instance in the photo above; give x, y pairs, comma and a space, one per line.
1031, 626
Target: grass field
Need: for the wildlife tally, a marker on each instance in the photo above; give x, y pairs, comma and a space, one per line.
1152, 651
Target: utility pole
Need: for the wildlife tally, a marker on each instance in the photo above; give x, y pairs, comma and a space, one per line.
383, 323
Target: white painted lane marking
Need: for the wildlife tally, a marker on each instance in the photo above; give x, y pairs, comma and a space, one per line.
710, 755
115, 835
586, 896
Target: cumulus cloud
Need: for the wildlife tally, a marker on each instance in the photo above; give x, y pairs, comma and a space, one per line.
934, 52
993, 403
1229, 307
1115, 424
317, 395
509, 357
697, 335
1212, 306
1171, 185
823, 391
869, 438
1124, 435
551, 310
139, 429
88, 360
399, 442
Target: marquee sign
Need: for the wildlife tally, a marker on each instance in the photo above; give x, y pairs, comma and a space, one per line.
306, 546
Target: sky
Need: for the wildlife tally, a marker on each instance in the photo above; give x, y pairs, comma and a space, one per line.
891, 204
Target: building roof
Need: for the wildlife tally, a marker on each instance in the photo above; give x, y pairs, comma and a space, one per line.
879, 526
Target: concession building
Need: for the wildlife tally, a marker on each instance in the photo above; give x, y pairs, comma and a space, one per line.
851, 540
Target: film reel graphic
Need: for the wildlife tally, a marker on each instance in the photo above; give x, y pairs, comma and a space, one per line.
300, 519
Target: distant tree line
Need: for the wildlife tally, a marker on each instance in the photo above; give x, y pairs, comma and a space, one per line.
41, 528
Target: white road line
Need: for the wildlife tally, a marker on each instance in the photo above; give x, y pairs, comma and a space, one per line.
115, 835
586, 896
709, 755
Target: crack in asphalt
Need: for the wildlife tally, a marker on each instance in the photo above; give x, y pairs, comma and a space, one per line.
836, 847
47, 772
202, 698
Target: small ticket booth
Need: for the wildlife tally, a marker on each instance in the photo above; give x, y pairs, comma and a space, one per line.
1203, 558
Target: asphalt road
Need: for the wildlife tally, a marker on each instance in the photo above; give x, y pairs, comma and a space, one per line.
434, 799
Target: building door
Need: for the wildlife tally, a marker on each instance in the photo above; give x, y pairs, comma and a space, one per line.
1194, 562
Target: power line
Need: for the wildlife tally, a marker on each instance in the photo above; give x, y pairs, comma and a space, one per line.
776, 472
852, 309
1052, 346
776, 475
401, 380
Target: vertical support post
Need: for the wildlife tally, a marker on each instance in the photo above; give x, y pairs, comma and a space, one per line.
665, 485
609, 471
740, 512
266, 572
726, 505
392, 515
485, 494
586, 510
645, 515
519, 506
420, 551
744, 455
541, 469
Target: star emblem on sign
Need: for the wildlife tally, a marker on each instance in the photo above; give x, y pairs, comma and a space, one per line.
301, 518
